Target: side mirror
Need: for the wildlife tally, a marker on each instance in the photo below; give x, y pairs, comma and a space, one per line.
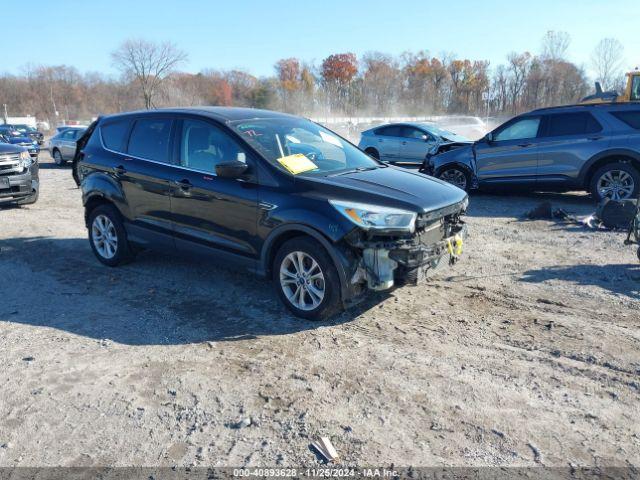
489, 138
425, 138
232, 169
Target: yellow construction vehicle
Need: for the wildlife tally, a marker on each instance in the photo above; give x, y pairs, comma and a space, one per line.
631, 92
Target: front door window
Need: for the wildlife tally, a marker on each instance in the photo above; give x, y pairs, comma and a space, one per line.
523, 129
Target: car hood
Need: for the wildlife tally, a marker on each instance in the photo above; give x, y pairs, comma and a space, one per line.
16, 140
9, 148
455, 138
390, 186
462, 155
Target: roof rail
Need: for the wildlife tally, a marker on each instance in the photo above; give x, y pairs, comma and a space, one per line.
585, 105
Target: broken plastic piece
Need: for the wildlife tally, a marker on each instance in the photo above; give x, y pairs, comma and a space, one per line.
326, 449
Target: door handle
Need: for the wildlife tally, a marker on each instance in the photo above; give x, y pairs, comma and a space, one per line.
404, 142
524, 145
184, 184
593, 139
120, 170
379, 140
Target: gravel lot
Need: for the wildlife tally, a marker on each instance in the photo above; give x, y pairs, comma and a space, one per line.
525, 353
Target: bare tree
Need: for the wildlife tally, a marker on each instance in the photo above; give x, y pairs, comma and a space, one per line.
607, 61
555, 45
148, 63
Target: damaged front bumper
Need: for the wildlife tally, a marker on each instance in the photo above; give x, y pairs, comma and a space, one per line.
387, 261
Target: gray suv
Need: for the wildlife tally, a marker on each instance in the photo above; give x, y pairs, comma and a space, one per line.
580, 147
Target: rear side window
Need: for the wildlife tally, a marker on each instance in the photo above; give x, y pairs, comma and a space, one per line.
410, 132
631, 118
113, 134
571, 124
150, 139
392, 131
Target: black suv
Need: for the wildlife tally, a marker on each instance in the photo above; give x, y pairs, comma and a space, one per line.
578, 147
19, 182
275, 193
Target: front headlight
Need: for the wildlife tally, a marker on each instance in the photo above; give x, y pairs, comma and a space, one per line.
25, 159
375, 217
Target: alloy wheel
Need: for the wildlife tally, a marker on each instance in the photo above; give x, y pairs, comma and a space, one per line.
104, 236
455, 177
302, 280
616, 185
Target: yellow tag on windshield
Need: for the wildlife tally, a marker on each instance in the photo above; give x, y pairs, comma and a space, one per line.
297, 163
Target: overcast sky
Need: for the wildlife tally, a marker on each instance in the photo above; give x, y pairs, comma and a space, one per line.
252, 34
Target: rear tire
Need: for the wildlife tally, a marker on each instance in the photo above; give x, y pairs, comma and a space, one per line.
616, 181
372, 152
456, 176
108, 237
306, 279
57, 157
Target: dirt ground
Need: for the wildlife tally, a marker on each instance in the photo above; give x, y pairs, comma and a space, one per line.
527, 352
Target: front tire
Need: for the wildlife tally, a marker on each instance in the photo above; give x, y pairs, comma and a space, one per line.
306, 279
456, 176
107, 236
57, 158
615, 181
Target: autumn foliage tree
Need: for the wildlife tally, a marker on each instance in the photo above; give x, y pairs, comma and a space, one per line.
289, 80
338, 71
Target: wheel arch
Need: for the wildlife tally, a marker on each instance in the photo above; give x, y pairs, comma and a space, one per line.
609, 156
283, 233
99, 189
373, 152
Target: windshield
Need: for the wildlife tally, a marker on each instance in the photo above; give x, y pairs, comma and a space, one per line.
299, 146
25, 128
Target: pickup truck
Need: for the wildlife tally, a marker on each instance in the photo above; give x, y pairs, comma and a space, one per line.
19, 181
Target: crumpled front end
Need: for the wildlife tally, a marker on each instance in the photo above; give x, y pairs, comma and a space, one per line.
388, 260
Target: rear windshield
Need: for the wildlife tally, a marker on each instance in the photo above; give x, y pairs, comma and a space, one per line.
631, 118
299, 146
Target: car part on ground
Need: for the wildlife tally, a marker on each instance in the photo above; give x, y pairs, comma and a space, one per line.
271, 192
609, 215
19, 182
576, 147
633, 236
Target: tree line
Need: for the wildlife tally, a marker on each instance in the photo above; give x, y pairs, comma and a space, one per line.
377, 84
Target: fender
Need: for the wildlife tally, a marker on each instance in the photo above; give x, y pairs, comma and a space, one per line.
102, 185
340, 256
614, 152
